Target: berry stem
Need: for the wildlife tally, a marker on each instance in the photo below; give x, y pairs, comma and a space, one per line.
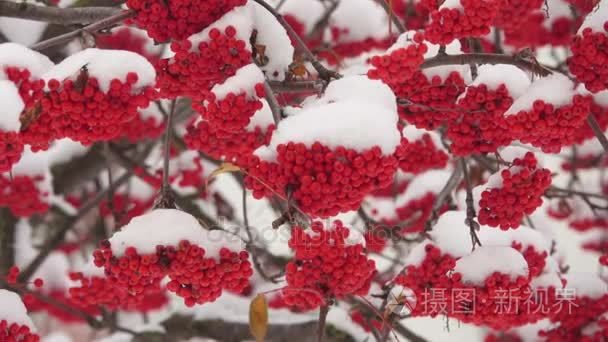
56, 15
92, 28
450, 185
393, 18
592, 122
275, 108
321, 326
165, 199
473, 225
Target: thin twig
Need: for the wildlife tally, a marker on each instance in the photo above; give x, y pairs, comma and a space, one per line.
592, 122
321, 24
92, 28
165, 199
486, 58
470, 220
392, 17
275, 108
322, 319
449, 186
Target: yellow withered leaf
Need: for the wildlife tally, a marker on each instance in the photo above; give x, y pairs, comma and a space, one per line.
258, 317
225, 167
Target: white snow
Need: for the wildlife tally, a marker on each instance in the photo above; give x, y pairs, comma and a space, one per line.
515, 80
412, 134
357, 123
15, 55
555, 9
403, 41
12, 309
277, 44
103, 65
168, 227
429, 181
358, 87
262, 118
12, 105
555, 89
584, 285
444, 71
57, 336
307, 12
484, 261
243, 81
451, 4
596, 19
416, 256
31, 164
348, 16
64, 150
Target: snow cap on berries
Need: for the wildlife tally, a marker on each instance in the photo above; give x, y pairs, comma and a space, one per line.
13, 311
105, 66
476, 267
12, 105
19, 56
356, 121
555, 89
168, 227
244, 81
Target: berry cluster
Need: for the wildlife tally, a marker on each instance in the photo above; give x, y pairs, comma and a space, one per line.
323, 181
22, 195
589, 56
549, 127
472, 20
83, 112
217, 144
482, 129
95, 290
325, 266
194, 277
420, 155
232, 113
193, 70
16, 332
11, 147
574, 316
178, 19
31, 89
523, 184
513, 14
416, 212
34, 304
142, 127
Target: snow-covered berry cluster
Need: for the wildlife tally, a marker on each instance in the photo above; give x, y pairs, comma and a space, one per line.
589, 56
420, 151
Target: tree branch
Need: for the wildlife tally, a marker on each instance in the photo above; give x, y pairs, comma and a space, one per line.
486, 58
92, 28
55, 15
592, 122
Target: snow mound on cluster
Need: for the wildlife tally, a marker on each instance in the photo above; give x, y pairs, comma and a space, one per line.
412, 133
241, 18
356, 120
12, 105
276, 42
555, 89
105, 66
12, 309
261, 118
15, 55
515, 80
243, 81
476, 267
168, 227
347, 18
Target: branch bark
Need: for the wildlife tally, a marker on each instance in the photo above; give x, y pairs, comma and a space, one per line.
55, 15
592, 122
92, 28
486, 58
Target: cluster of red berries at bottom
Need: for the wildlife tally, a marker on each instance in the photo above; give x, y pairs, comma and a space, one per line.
233, 112
233, 147
83, 112
21, 195
420, 155
16, 332
472, 20
178, 19
324, 181
194, 70
574, 316
95, 290
434, 273
523, 185
325, 267
140, 128
194, 277
482, 128
548, 127
589, 57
